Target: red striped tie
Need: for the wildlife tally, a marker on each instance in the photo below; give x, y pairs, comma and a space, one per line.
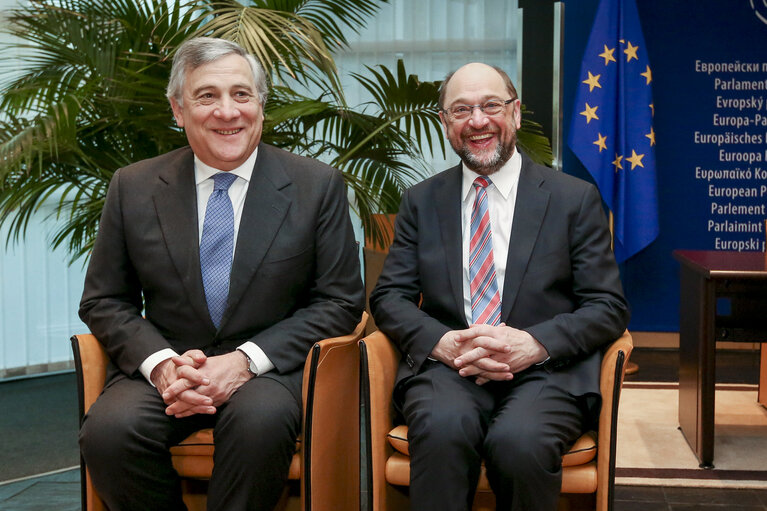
485, 299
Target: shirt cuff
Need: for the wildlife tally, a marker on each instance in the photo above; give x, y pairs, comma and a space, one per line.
259, 362
153, 360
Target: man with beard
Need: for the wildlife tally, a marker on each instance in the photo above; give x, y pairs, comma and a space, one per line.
499, 289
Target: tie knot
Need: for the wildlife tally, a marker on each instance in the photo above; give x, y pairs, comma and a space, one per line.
223, 180
482, 182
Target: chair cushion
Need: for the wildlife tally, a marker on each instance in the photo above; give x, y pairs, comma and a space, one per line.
579, 468
583, 450
193, 457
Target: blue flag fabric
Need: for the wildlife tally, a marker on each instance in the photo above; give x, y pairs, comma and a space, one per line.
611, 131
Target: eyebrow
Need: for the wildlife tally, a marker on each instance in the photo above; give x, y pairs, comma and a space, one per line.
489, 97
236, 86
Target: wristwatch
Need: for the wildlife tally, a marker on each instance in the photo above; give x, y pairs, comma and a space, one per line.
252, 369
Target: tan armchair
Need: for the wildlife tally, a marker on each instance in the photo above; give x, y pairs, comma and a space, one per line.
589, 467
326, 463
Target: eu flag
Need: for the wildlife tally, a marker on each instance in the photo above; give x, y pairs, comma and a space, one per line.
611, 130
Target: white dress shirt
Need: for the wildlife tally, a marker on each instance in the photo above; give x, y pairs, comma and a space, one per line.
501, 198
203, 174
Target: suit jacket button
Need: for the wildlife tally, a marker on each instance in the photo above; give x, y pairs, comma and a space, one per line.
409, 361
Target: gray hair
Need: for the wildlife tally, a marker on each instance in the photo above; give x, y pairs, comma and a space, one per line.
199, 51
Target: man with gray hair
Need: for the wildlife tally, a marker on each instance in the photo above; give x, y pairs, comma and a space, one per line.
215, 269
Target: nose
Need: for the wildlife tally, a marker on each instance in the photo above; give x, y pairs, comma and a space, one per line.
478, 118
227, 109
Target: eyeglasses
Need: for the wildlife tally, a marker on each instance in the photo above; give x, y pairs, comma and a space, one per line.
489, 108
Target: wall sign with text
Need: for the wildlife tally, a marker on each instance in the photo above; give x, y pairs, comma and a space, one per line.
709, 72
733, 153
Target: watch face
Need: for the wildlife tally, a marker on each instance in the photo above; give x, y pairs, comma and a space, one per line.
252, 369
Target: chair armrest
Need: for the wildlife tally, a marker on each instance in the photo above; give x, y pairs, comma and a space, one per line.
91, 368
379, 360
613, 370
330, 439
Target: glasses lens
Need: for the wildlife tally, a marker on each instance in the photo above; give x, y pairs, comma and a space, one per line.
492, 107
460, 111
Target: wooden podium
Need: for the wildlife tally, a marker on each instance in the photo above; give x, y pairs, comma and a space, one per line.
723, 297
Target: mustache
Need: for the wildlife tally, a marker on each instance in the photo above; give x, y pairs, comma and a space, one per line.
469, 131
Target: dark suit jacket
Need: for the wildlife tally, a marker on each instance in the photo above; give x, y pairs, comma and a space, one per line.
295, 274
561, 285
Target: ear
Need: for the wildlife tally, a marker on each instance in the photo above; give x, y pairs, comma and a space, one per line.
443, 120
517, 115
178, 112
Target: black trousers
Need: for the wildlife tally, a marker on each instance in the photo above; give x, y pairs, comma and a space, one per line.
126, 436
520, 429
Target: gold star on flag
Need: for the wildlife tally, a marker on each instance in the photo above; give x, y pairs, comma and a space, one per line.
636, 159
652, 107
631, 52
592, 81
608, 55
651, 136
600, 142
647, 74
590, 113
617, 162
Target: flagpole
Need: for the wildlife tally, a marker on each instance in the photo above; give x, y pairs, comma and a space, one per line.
631, 367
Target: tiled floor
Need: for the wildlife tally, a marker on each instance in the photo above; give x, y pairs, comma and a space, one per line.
656, 498
61, 491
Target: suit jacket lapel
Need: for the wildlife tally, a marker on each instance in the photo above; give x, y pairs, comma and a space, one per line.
175, 200
266, 205
447, 198
529, 211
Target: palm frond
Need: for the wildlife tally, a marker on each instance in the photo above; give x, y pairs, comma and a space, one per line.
86, 98
282, 41
404, 102
330, 16
533, 142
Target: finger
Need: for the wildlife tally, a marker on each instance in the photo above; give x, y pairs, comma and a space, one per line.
470, 357
205, 410
198, 356
190, 359
484, 366
469, 370
495, 376
183, 360
179, 409
481, 380
462, 335
492, 365
189, 413
195, 397
192, 374
179, 388
492, 344
478, 329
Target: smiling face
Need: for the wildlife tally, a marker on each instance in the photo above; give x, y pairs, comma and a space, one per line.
221, 113
484, 143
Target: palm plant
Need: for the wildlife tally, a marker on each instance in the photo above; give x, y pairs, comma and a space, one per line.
87, 101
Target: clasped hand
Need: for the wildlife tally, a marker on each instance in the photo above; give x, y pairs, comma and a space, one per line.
489, 352
195, 383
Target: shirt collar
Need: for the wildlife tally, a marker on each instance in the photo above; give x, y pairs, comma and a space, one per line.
503, 180
203, 171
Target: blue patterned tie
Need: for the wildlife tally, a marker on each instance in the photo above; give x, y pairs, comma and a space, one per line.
485, 299
217, 246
